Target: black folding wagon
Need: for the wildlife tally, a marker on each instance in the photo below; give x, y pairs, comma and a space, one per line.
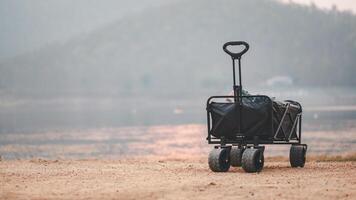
240, 125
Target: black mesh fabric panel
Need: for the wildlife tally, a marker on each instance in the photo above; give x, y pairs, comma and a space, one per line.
260, 116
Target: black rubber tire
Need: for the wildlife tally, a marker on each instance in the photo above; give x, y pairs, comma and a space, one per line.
252, 160
236, 156
219, 159
297, 155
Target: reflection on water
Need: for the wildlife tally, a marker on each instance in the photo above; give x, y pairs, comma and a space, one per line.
172, 141
323, 110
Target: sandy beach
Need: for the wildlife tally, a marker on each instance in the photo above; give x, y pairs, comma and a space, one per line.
170, 178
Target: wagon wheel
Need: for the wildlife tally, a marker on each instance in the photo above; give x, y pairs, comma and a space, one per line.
236, 156
219, 160
252, 160
297, 155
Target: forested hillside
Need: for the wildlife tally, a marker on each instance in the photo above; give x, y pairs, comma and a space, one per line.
176, 49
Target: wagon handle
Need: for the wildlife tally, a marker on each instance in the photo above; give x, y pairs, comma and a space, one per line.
234, 56
236, 43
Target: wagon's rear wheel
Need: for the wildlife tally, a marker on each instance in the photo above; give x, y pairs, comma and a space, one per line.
297, 155
252, 160
236, 156
219, 159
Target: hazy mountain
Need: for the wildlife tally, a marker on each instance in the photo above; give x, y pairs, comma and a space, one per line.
28, 25
176, 49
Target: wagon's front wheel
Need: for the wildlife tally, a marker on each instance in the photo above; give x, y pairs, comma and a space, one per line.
297, 155
252, 160
219, 159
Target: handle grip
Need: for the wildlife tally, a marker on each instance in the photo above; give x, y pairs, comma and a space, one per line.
236, 43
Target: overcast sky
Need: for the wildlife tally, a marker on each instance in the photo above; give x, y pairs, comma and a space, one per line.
28, 25
349, 5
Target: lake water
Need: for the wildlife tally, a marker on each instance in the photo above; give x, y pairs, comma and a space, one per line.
129, 126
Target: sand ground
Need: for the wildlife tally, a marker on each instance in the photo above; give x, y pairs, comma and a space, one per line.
167, 178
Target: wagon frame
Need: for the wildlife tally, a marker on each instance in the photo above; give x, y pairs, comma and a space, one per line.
244, 150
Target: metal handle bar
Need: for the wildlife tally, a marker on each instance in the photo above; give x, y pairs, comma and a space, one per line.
236, 43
